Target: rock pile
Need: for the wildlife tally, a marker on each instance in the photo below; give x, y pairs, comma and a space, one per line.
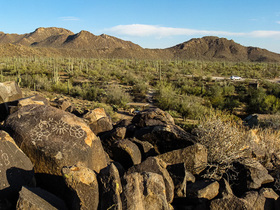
52, 159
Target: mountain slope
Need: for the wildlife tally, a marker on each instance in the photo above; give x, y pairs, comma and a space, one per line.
215, 48
62, 42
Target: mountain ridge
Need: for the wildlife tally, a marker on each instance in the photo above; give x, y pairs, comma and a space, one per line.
60, 42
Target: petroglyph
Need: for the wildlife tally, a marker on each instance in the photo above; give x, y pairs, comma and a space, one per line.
45, 128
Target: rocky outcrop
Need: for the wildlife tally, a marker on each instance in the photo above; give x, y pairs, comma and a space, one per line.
152, 164
52, 139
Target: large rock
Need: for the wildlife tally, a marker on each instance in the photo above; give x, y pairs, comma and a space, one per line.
16, 168
98, 120
52, 138
152, 117
126, 153
158, 166
84, 182
230, 203
144, 190
165, 138
194, 157
36, 198
203, 189
257, 174
9, 91
146, 148
110, 188
180, 177
10, 107
264, 199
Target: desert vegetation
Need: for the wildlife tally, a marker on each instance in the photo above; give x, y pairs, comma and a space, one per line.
186, 87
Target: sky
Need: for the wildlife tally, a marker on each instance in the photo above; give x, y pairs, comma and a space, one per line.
151, 23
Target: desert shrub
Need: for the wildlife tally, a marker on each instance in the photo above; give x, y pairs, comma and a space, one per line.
116, 95
226, 140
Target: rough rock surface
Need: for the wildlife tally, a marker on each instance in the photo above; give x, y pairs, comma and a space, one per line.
16, 168
144, 190
98, 120
194, 157
203, 189
257, 174
36, 198
165, 137
110, 188
156, 165
84, 182
152, 117
126, 153
52, 138
9, 91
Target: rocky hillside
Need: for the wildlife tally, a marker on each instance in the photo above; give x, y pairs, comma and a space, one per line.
210, 47
54, 159
61, 42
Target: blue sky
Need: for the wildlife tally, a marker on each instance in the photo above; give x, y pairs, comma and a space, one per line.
153, 23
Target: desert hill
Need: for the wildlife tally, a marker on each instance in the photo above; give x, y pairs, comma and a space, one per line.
211, 47
62, 42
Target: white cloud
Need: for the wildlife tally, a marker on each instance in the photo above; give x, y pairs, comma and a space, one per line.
69, 18
265, 34
278, 22
141, 30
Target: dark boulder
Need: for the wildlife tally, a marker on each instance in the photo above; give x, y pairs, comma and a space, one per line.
203, 189
194, 157
110, 188
98, 121
16, 168
126, 153
146, 148
152, 117
155, 165
83, 182
53, 138
37, 198
165, 138
144, 190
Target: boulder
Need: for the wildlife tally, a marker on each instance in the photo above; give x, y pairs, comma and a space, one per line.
165, 138
144, 190
63, 104
146, 148
84, 182
264, 199
126, 153
152, 117
16, 169
110, 188
180, 177
53, 138
194, 157
229, 203
225, 189
257, 174
98, 120
9, 91
37, 198
155, 165
203, 189
12, 106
